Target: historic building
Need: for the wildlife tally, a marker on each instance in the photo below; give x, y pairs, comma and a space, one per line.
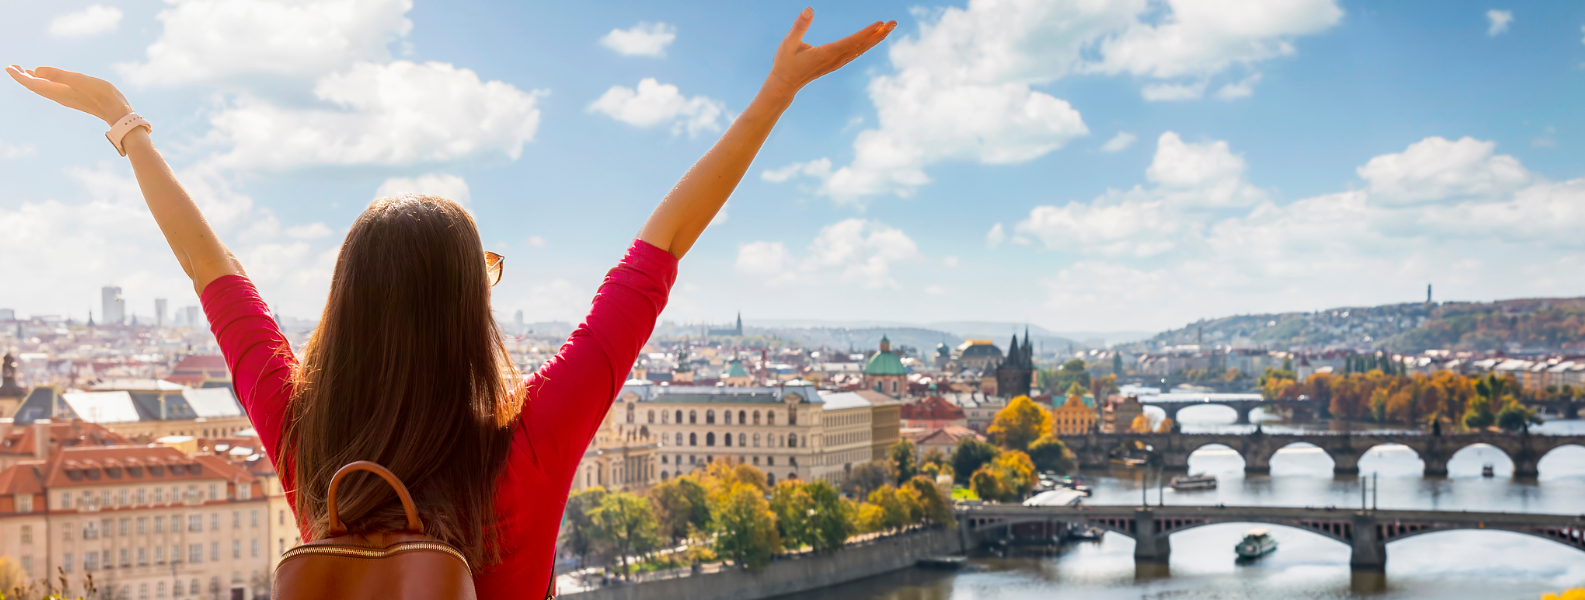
845, 433
1119, 412
884, 372
11, 394
944, 439
622, 454
885, 422
142, 410
39, 440
1016, 375
1074, 417
932, 413
147, 522
735, 375
777, 429
978, 354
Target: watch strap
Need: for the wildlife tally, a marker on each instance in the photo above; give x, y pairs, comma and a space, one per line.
125, 126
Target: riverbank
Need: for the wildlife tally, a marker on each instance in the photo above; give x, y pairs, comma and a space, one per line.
792, 574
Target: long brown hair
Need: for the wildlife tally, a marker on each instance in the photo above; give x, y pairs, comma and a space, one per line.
407, 368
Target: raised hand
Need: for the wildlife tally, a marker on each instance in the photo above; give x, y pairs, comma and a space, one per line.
798, 63
74, 90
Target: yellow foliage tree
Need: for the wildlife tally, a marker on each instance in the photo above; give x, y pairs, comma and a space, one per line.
1165, 426
1141, 424
1573, 594
1020, 423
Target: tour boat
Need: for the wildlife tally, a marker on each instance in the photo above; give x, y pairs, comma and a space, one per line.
1088, 534
1488, 471
1129, 461
1194, 482
1256, 543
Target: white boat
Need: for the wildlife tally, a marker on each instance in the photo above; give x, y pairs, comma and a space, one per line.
1194, 482
1488, 471
1256, 543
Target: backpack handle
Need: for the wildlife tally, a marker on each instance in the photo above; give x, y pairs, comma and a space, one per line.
338, 528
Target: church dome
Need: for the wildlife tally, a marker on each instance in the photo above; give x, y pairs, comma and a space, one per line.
885, 362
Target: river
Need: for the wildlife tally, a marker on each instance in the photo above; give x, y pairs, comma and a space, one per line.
1445, 565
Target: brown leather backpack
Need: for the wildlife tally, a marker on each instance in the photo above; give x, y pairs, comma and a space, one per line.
393, 565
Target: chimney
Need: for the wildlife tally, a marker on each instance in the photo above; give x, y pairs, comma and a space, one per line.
5, 429
41, 439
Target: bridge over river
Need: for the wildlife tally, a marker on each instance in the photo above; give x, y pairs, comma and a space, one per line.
1096, 450
1244, 404
1367, 532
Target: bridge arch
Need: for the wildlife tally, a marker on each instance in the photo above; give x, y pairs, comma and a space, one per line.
1385, 459
1468, 460
1301, 458
1557, 454
1215, 458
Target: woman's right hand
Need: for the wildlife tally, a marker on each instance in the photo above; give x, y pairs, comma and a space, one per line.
74, 90
797, 63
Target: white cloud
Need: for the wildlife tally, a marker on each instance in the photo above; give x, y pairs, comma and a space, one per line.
311, 231
13, 151
1498, 21
1119, 142
1122, 229
655, 103
963, 89
853, 250
1436, 169
819, 168
1244, 88
210, 40
95, 20
995, 236
1173, 92
535, 241
949, 261
643, 39
1206, 174
387, 114
450, 187
557, 300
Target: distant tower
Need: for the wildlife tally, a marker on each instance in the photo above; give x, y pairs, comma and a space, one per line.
740, 323
115, 308
1428, 293
159, 312
518, 317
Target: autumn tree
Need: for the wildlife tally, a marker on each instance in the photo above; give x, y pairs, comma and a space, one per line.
1020, 423
744, 527
864, 478
935, 508
969, 455
579, 535
1516, 417
1050, 454
681, 506
834, 519
794, 509
902, 457
986, 484
627, 523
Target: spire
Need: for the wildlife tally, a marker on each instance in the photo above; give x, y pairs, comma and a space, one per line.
886, 343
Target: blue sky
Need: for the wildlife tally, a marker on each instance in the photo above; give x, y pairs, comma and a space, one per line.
1078, 165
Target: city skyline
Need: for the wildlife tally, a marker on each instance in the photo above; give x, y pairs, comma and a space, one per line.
1317, 154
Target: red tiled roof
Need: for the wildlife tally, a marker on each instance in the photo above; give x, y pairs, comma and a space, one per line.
947, 436
934, 408
22, 478
22, 440
87, 466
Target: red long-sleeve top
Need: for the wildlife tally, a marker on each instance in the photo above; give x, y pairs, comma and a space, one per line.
567, 399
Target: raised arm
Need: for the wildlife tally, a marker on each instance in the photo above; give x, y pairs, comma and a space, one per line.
201, 254
683, 214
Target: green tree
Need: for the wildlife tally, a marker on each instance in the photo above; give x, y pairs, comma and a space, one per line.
626, 522
682, 506
1050, 454
936, 510
744, 527
1020, 423
902, 457
1069, 373
834, 519
987, 484
579, 535
863, 479
794, 509
969, 455
1516, 417
1117, 363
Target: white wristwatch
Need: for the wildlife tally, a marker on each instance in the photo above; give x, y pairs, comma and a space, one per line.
125, 126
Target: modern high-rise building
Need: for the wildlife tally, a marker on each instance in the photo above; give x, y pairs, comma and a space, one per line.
159, 312
114, 311
193, 315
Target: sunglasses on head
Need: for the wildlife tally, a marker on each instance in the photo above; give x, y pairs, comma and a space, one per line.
493, 264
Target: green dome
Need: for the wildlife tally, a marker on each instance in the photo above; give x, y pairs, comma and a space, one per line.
735, 369
885, 362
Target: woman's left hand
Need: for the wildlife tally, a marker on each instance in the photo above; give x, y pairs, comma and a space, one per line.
797, 63
74, 90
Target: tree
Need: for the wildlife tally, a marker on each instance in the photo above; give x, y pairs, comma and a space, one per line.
13, 580
579, 535
902, 456
935, 509
863, 479
1020, 423
1516, 417
1017, 470
986, 484
935, 457
1165, 426
1141, 424
794, 509
834, 520
744, 528
1050, 454
1069, 373
1104, 387
969, 455
627, 523
897, 510
681, 505
1117, 364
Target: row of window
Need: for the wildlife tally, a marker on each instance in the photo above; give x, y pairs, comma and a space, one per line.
93, 530
140, 497
772, 440
847, 438
770, 461
129, 557
743, 417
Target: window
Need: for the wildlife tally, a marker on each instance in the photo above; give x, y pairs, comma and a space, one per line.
213, 495
770, 461
726, 416
756, 461
176, 589
630, 411
740, 419
194, 589
24, 503
159, 495
679, 438
693, 439
27, 565
792, 460
66, 532
66, 500
143, 591
693, 417
143, 525
214, 521
244, 491
121, 497
741, 437
253, 547
792, 417
159, 524
91, 561
90, 531
281, 518
756, 417
770, 418
236, 519
143, 557
709, 439
792, 440
728, 440
126, 557
104, 498
253, 518
159, 590
652, 417
125, 527
27, 534
709, 417
66, 562
159, 555
236, 548
106, 560
143, 496
195, 554
756, 440
679, 417
214, 550
195, 522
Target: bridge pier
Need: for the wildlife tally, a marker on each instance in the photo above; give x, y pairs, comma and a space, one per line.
1150, 547
1435, 466
1524, 467
1243, 414
1256, 461
1344, 463
1369, 550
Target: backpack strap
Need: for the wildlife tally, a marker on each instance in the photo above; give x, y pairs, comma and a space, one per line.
338, 528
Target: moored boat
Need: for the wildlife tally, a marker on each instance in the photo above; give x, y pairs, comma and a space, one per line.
1256, 543
1193, 482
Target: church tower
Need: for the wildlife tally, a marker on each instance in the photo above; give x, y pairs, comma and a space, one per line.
1015, 376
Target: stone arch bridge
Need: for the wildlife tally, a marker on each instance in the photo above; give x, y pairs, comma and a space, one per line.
1367, 532
1173, 449
1243, 406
